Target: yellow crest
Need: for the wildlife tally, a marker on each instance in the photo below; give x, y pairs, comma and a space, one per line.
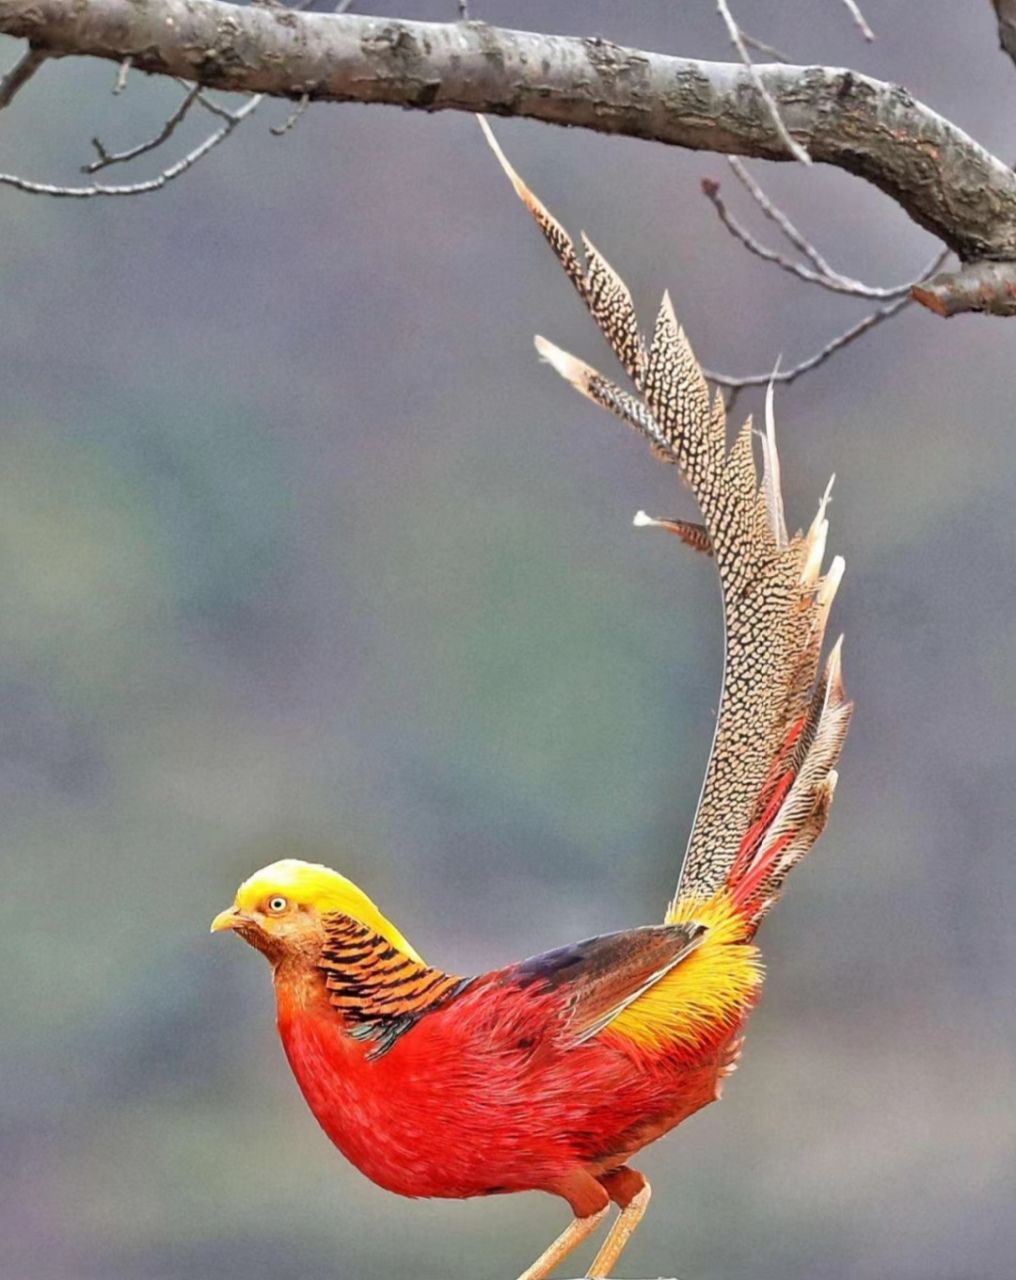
312, 885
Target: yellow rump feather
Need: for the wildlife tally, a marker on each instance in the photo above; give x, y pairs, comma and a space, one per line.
709, 990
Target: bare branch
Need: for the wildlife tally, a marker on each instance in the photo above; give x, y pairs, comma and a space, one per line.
858, 18
137, 188
121, 75
761, 47
1005, 12
106, 158
232, 119
776, 215
279, 129
825, 277
20, 74
844, 339
877, 131
736, 39
216, 109
820, 357
711, 190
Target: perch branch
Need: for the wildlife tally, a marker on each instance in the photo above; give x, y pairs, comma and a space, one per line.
942, 178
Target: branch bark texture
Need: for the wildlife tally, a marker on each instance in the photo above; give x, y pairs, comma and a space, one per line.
943, 179
982, 286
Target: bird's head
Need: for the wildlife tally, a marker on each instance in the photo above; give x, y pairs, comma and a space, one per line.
283, 910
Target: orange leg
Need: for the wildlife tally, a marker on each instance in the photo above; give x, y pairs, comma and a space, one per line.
629, 1189
572, 1236
589, 1199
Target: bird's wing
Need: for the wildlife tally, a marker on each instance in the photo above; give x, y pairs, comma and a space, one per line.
601, 978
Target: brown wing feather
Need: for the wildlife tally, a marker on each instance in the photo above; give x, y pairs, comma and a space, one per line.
600, 977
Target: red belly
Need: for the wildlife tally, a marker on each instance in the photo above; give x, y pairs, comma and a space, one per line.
472, 1101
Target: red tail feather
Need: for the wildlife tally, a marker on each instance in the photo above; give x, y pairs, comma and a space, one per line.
745, 871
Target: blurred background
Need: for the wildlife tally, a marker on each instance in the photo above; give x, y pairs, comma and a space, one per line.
302, 553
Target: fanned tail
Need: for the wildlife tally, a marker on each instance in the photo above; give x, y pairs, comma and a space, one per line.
779, 732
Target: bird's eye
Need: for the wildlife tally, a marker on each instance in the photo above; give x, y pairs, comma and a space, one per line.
277, 905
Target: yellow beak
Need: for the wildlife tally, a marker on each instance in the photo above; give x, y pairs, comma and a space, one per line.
227, 920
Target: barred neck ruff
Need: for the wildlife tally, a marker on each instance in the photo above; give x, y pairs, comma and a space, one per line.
379, 990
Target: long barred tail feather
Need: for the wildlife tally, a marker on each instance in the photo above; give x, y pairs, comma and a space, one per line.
780, 729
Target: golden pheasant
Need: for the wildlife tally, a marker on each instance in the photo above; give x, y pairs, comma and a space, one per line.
552, 1073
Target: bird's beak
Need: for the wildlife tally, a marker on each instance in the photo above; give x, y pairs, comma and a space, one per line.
230, 919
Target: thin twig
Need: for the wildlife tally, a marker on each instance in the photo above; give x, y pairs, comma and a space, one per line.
734, 31
826, 278
820, 357
139, 188
775, 214
121, 76
711, 190
20, 74
215, 108
760, 45
27, 66
896, 297
279, 129
106, 158
858, 17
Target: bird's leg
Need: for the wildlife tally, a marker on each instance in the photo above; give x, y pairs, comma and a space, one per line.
629, 1189
572, 1236
589, 1201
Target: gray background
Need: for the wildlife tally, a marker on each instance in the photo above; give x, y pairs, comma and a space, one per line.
302, 552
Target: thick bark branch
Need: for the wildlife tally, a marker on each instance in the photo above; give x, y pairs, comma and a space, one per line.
981, 286
943, 179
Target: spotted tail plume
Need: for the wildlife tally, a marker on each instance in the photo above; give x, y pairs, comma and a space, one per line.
780, 729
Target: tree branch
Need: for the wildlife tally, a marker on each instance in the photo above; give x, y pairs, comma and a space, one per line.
980, 286
1005, 12
106, 158
737, 40
943, 179
825, 277
20, 74
877, 317
232, 120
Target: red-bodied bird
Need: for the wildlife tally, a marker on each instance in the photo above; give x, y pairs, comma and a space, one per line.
552, 1073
